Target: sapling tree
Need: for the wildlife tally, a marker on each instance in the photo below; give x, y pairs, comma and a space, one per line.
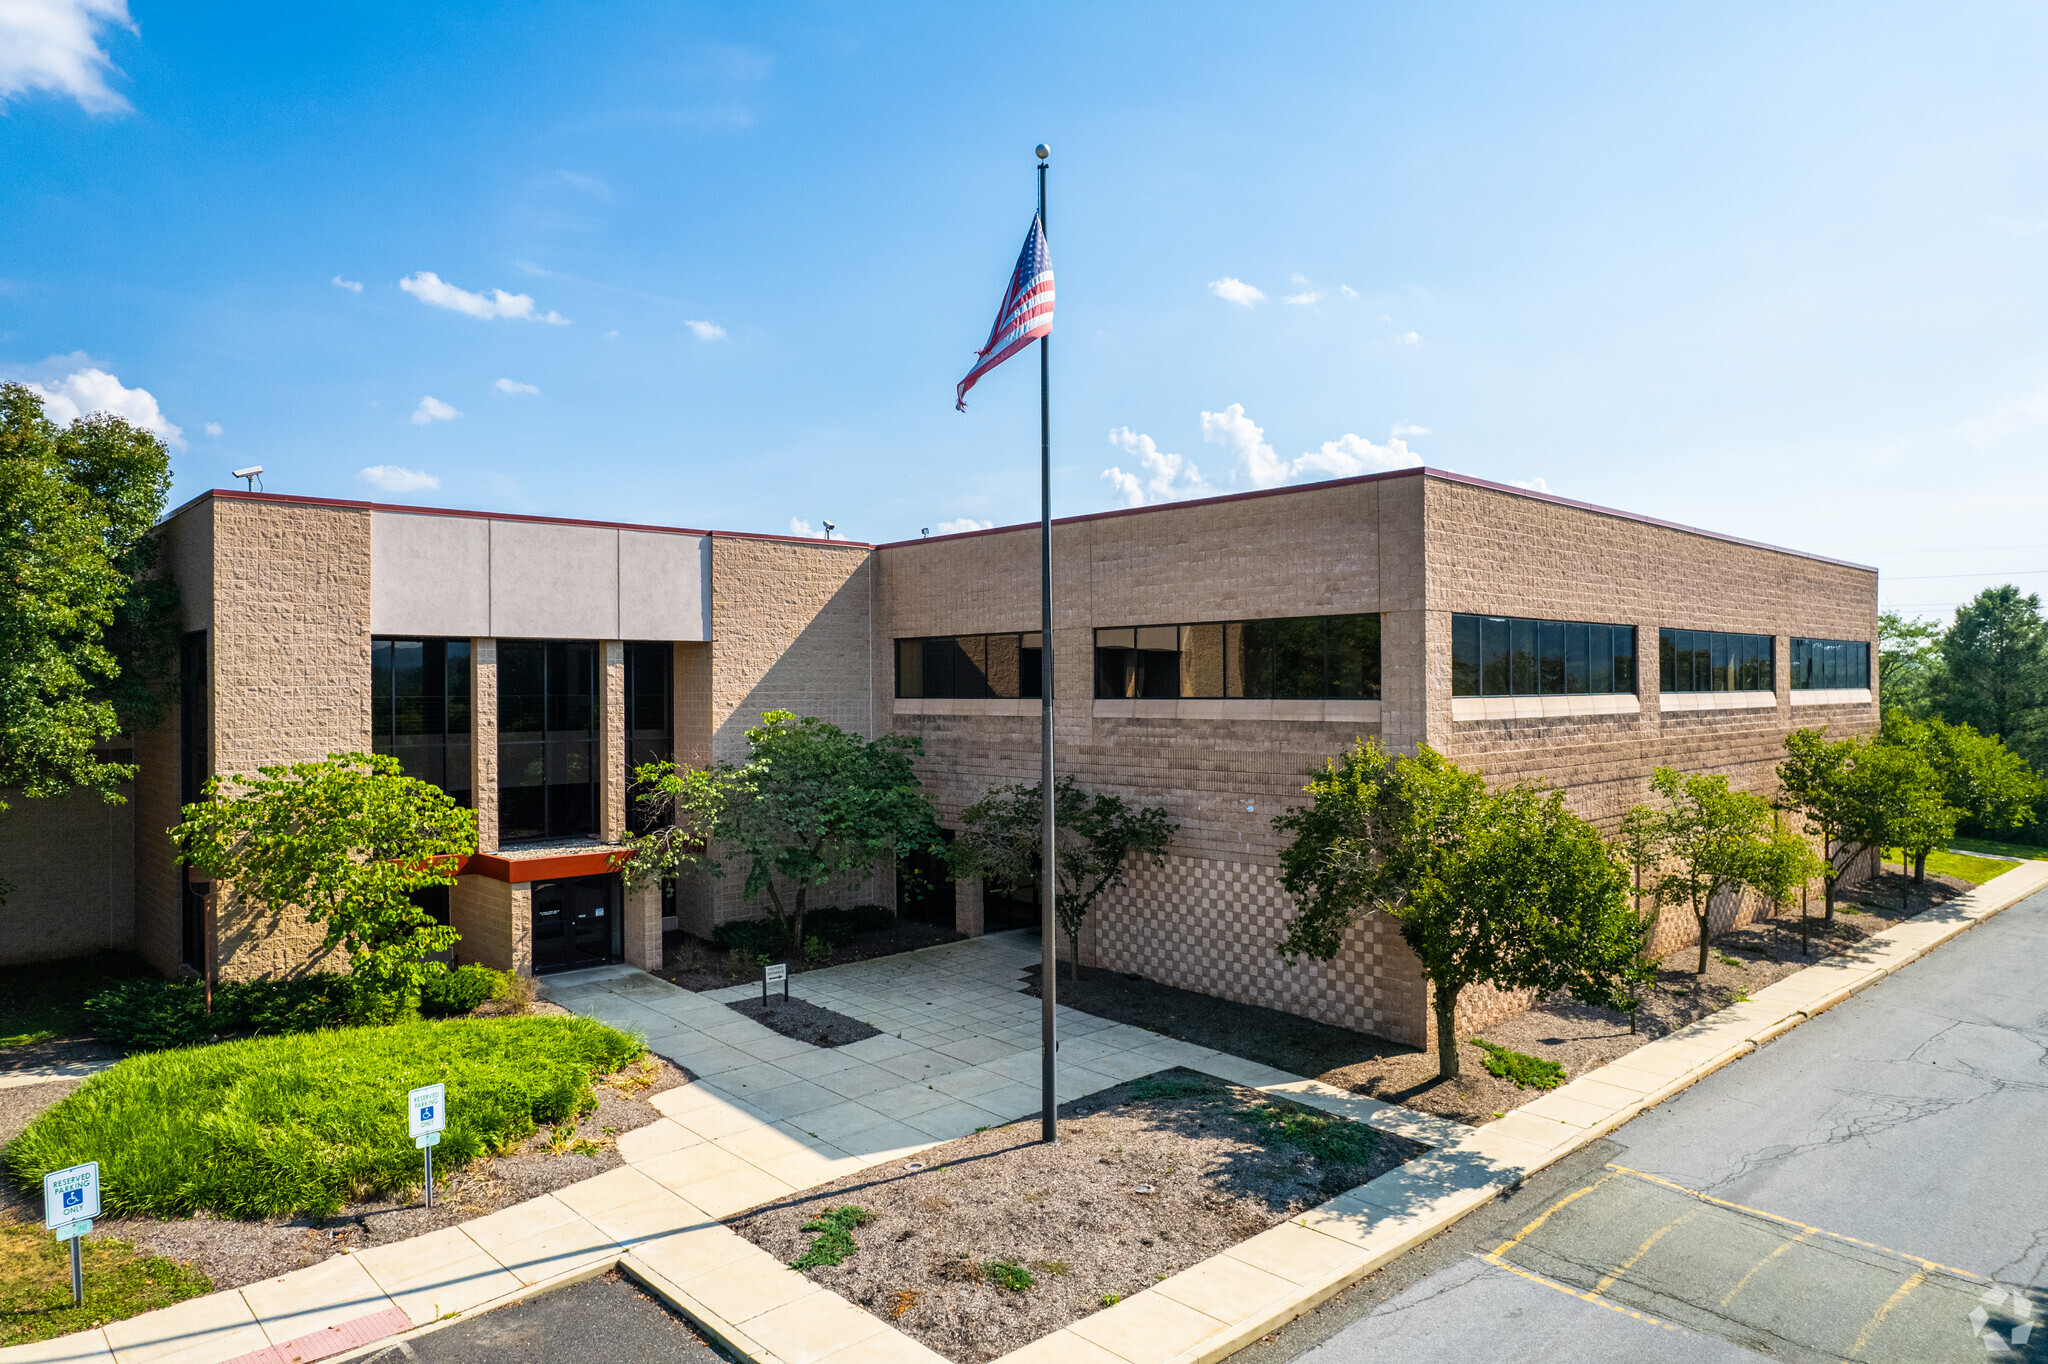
346, 841
1815, 781
1507, 888
1095, 839
814, 804
1898, 796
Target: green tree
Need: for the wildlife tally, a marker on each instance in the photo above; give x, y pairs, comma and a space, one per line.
1994, 671
1507, 888
1002, 834
813, 804
681, 806
1898, 798
1987, 783
347, 840
87, 633
1815, 781
1908, 662
1712, 840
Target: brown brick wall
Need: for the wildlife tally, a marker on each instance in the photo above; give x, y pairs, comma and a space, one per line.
495, 919
67, 872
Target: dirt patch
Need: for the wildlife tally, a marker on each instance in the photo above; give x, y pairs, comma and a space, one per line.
940, 1253
805, 1021
233, 1253
1558, 1030
696, 964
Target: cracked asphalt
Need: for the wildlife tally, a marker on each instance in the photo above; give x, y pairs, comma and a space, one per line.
1870, 1186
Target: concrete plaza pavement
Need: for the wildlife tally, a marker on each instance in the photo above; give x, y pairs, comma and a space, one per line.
1868, 1186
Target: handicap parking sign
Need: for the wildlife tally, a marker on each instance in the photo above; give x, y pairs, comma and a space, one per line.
71, 1195
427, 1110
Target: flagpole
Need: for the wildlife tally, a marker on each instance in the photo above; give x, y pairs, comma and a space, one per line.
1048, 878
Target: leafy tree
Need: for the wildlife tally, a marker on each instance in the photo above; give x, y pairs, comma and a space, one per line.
348, 840
1002, 835
1712, 840
87, 634
1989, 784
1994, 673
1815, 781
1507, 888
681, 805
1898, 798
1908, 663
813, 804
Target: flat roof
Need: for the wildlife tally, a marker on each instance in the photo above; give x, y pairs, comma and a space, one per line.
1420, 471
288, 499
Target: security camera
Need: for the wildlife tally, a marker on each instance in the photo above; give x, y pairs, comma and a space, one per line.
250, 475
829, 528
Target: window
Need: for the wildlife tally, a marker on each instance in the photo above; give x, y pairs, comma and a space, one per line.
1306, 658
650, 719
1506, 656
419, 709
1830, 664
969, 667
547, 738
1704, 660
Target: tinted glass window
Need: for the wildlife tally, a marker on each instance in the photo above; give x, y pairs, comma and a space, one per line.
1294, 658
547, 738
419, 709
1511, 656
1702, 660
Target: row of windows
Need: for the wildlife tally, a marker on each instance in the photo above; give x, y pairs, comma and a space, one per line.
1509, 656
1304, 658
1704, 660
1827, 664
419, 709
969, 667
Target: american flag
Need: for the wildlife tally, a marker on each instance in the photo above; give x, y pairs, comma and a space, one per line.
1026, 313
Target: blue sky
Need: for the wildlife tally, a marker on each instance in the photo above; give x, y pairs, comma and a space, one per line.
1776, 271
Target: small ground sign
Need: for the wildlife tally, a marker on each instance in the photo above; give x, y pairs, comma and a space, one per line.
778, 974
426, 1117
71, 1196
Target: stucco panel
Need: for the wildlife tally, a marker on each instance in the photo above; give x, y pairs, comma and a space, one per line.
554, 582
430, 575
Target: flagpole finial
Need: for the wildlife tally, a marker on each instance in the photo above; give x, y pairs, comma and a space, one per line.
1042, 152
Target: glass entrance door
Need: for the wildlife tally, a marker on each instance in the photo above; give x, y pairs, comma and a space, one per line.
575, 923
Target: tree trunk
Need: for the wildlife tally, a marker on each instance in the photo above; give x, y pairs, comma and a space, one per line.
1827, 882
1920, 867
1701, 919
1074, 966
797, 923
1446, 1033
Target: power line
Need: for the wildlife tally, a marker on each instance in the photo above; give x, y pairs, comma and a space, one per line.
1929, 577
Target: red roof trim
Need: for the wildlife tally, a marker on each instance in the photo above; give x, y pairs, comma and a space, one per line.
1418, 472
286, 499
552, 867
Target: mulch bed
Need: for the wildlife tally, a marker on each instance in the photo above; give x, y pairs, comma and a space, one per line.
1559, 1030
233, 1252
804, 1021
1224, 1164
696, 964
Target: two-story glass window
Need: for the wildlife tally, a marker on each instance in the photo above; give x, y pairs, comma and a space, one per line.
547, 738
650, 718
1305, 658
1830, 664
969, 667
1511, 656
419, 709
1713, 660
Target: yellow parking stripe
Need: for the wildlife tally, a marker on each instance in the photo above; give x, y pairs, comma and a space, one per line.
1594, 1298
1743, 1282
1644, 1249
1899, 1296
1505, 1246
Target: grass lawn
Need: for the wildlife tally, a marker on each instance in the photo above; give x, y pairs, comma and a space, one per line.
1975, 870
303, 1124
35, 1285
46, 999
1992, 845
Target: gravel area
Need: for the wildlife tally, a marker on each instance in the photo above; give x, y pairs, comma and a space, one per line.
233, 1253
1572, 1035
1076, 1216
805, 1021
696, 964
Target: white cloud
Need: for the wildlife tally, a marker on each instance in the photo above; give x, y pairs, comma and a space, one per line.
1348, 291
430, 288
1410, 338
91, 389
393, 479
1346, 457
612, 335
1163, 476
799, 526
432, 409
213, 428
354, 286
1409, 429
2029, 411
961, 524
54, 45
1232, 290
706, 331
1302, 299
1534, 485
514, 386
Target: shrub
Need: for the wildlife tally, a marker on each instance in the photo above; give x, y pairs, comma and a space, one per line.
463, 989
872, 918
756, 938
302, 1125
1527, 1072
816, 954
275, 1007
152, 1015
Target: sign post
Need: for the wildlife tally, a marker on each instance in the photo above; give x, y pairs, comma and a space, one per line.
71, 1199
771, 975
427, 1117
